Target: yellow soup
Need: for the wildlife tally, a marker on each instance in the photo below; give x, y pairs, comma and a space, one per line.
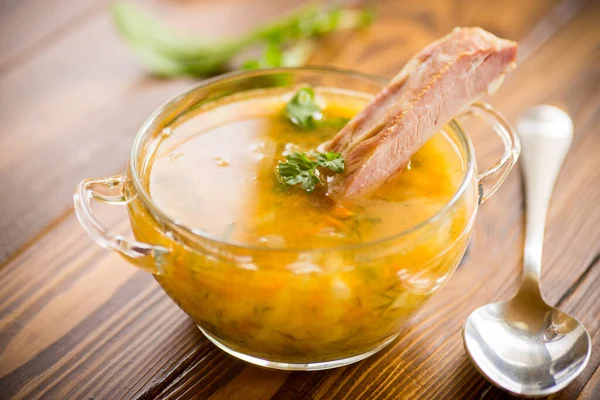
286, 275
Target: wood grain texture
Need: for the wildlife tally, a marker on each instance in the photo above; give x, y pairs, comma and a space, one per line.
592, 388
79, 102
77, 322
26, 27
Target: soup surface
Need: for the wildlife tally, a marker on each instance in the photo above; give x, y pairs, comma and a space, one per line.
219, 177
214, 171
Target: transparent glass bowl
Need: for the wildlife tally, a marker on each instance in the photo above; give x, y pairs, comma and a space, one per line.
293, 309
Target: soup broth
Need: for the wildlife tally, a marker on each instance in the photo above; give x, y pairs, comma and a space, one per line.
222, 180
318, 293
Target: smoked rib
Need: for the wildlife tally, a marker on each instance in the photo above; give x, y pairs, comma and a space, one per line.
427, 93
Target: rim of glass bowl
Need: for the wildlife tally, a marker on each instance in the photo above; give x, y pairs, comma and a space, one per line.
147, 129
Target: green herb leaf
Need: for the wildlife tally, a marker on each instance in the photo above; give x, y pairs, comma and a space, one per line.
302, 109
300, 169
298, 54
331, 161
301, 160
308, 180
273, 57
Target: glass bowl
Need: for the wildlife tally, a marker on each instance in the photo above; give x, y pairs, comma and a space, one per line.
290, 308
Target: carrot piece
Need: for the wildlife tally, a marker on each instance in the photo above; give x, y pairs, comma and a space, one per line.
333, 222
342, 212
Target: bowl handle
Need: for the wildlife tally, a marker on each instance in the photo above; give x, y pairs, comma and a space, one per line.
490, 180
110, 191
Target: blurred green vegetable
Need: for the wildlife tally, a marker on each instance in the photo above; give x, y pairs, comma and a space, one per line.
276, 56
288, 42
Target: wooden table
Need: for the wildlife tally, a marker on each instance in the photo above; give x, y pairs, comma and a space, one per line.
78, 322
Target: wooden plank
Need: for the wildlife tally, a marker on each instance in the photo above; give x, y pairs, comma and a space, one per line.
444, 370
71, 307
592, 388
123, 338
264, 385
70, 107
80, 99
506, 239
587, 383
405, 27
28, 26
71, 112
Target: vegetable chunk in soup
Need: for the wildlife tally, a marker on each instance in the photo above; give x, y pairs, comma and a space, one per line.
215, 172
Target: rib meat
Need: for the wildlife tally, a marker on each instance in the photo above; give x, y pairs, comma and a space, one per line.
429, 91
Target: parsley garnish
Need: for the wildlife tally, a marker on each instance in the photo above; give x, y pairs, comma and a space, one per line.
332, 161
302, 109
303, 169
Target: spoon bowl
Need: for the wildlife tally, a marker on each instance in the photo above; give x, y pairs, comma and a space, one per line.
524, 345
526, 348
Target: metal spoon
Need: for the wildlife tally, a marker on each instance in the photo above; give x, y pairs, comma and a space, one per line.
523, 345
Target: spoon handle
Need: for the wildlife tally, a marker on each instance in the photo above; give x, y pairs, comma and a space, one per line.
546, 134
